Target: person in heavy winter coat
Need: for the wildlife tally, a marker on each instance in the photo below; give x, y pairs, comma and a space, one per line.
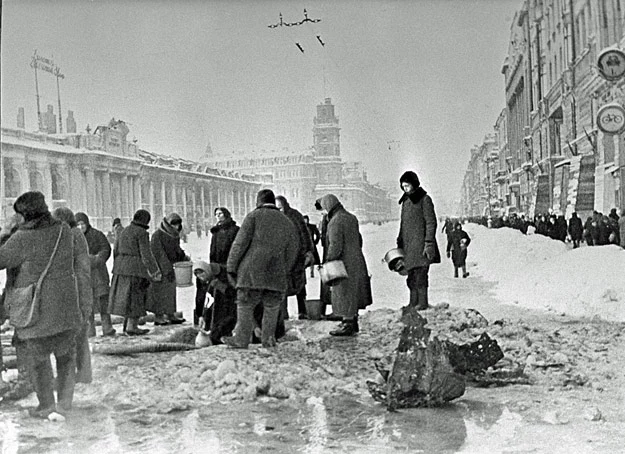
222, 236
83, 279
165, 246
260, 262
417, 237
457, 245
134, 266
224, 307
29, 250
575, 229
345, 244
99, 253
305, 258
315, 236
325, 294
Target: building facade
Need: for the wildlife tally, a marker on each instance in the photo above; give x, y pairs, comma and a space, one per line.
302, 177
107, 176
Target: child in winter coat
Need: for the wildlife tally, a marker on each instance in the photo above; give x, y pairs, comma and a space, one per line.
457, 248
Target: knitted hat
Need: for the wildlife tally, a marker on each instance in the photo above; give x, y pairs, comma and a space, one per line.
31, 205
265, 196
117, 221
410, 177
142, 217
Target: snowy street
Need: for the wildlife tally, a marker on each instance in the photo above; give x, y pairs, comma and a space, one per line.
179, 401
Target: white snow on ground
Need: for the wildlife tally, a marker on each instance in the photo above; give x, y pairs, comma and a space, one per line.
531, 271
537, 272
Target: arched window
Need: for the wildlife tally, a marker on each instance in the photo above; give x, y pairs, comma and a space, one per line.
36, 181
12, 182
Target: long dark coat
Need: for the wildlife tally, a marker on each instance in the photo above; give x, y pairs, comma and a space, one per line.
264, 250
575, 228
223, 235
345, 244
165, 246
417, 228
298, 272
99, 253
29, 250
458, 254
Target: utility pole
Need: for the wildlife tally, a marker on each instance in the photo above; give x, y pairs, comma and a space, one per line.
58, 75
33, 64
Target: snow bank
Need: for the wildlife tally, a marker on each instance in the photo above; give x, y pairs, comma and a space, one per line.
539, 273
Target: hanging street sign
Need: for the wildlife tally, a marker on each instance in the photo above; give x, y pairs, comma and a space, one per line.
611, 64
611, 118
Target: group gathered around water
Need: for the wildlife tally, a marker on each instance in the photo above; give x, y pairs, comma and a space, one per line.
57, 278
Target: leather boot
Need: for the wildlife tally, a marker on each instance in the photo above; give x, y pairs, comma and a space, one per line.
346, 328
83, 358
455, 272
66, 370
132, 328
422, 299
107, 325
174, 320
196, 319
161, 320
464, 271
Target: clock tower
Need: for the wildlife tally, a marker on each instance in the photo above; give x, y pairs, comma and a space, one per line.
327, 147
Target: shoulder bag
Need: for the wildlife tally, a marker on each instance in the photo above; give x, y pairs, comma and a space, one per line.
24, 302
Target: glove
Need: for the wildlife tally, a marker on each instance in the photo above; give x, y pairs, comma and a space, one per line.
157, 277
232, 279
429, 251
448, 254
309, 260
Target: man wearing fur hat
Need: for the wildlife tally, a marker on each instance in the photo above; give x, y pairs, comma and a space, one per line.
417, 237
99, 253
260, 261
165, 245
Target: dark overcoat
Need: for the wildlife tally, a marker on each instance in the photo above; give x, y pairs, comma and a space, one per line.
165, 246
223, 235
345, 243
132, 255
417, 228
458, 254
99, 253
575, 228
29, 250
264, 250
298, 272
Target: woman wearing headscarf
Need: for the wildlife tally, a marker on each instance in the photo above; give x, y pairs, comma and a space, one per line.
457, 243
345, 244
85, 296
134, 266
165, 245
41, 241
417, 237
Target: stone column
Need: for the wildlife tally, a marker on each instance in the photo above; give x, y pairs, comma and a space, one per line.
47, 181
219, 199
203, 211
164, 199
184, 204
152, 208
194, 205
90, 191
106, 195
173, 197
137, 191
125, 192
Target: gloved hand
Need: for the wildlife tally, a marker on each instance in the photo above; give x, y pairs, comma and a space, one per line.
309, 260
448, 254
157, 277
430, 251
232, 279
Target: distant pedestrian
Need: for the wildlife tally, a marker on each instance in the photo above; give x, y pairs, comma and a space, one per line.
457, 245
134, 266
621, 226
315, 236
575, 230
259, 265
417, 237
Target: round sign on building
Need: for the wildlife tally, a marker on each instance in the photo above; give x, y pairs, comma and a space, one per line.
611, 118
611, 64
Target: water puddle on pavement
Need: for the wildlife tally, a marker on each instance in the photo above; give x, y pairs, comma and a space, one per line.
336, 425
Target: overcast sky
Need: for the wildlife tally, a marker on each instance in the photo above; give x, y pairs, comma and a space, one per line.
421, 77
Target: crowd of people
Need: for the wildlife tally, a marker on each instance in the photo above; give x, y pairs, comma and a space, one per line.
597, 230
58, 279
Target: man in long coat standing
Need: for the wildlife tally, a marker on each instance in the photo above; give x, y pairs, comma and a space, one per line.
417, 237
259, 264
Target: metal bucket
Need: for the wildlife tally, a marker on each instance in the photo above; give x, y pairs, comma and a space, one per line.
392, 259
184, 274
333, 272
313, 309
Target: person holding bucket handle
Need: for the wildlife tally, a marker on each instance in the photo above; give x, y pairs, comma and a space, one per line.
134, 266
260, 262
165, 246
417, 237
345, 244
